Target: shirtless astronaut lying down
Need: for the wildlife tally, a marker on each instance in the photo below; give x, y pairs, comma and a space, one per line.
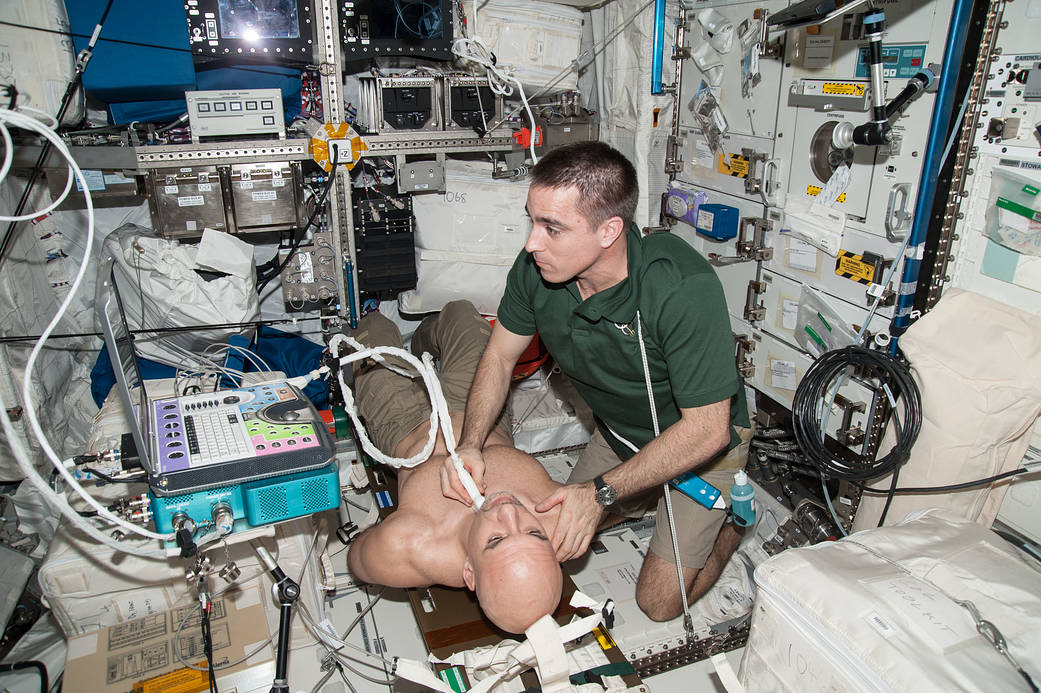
502, 551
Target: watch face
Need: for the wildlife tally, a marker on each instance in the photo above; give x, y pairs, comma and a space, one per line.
605, 495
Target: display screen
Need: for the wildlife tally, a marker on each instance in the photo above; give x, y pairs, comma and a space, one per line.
406, 20
252, 20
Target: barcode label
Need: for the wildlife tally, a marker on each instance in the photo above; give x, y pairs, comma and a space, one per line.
880, 624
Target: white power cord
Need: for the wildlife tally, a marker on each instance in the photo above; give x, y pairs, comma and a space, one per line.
439, 416
27, 122
500, 80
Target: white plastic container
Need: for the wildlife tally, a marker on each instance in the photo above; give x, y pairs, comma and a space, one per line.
877, 612
88, 586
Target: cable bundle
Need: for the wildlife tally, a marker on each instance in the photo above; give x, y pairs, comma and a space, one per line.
816, 394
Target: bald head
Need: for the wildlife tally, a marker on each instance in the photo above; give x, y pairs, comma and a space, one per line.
511, 564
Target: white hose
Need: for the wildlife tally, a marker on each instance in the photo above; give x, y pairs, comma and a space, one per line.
439, 416
21, 456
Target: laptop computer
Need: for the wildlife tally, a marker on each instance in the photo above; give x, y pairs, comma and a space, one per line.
195, 442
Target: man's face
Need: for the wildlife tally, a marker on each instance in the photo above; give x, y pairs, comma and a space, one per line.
511, 564
503, 522
562, 242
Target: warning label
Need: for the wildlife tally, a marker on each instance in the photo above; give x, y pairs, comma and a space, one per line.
737, 167
814, 190
856, 267
844, 88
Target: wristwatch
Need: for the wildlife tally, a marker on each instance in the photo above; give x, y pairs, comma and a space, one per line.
605, 493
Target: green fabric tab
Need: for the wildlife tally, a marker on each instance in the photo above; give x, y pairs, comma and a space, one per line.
1031, 190
613, 669
1021, 210
454, 679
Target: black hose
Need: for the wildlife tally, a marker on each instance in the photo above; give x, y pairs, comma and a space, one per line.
817, 385
30, 664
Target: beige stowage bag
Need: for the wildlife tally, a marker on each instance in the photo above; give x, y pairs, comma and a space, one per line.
978, 364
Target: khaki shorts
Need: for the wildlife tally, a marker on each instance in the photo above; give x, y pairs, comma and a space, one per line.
393, 405
696, 525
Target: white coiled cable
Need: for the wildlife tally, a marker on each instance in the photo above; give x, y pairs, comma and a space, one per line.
439, 415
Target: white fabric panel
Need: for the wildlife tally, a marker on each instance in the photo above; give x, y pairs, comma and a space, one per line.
39, 64
978, 364
535, 41
625, 104
466, 239
42, 260
877, 611
88, 586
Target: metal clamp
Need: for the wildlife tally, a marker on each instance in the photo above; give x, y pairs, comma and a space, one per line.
745, 365
989, 631
748, 249
754, 310
898, 219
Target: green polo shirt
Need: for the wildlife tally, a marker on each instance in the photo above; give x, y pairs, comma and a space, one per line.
686, 330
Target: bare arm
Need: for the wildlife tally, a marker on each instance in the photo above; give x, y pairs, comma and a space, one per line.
491, 384
696, 438
487, 395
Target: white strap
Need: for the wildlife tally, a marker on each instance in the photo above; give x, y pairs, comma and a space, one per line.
544, 637
726, 674
509, 657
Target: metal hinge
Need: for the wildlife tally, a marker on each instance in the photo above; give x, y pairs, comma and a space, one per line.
848, 434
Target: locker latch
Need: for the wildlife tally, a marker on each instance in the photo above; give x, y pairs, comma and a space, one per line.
745, 346
754, 310
754, 180
749, 245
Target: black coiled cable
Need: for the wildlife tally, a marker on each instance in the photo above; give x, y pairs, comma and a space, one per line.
816, 393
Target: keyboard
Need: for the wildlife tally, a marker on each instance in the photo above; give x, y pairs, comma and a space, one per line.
216, 435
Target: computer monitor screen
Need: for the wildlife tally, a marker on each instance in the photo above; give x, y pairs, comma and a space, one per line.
406, 20
420, 28
258, 19
266, 30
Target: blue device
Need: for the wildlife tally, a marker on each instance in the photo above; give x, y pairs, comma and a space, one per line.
718, 222
258, 502
699, 490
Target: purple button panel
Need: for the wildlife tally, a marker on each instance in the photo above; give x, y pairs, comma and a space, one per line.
171, 436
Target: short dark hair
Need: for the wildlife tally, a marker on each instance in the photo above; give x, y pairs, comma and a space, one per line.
604, 178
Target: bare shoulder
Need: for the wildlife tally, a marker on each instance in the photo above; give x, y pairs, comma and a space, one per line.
404, 550
508, 467
507, 454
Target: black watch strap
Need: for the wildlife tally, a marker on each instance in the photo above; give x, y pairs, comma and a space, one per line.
605, 494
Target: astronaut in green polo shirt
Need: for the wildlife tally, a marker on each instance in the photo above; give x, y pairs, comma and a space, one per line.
621, 315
